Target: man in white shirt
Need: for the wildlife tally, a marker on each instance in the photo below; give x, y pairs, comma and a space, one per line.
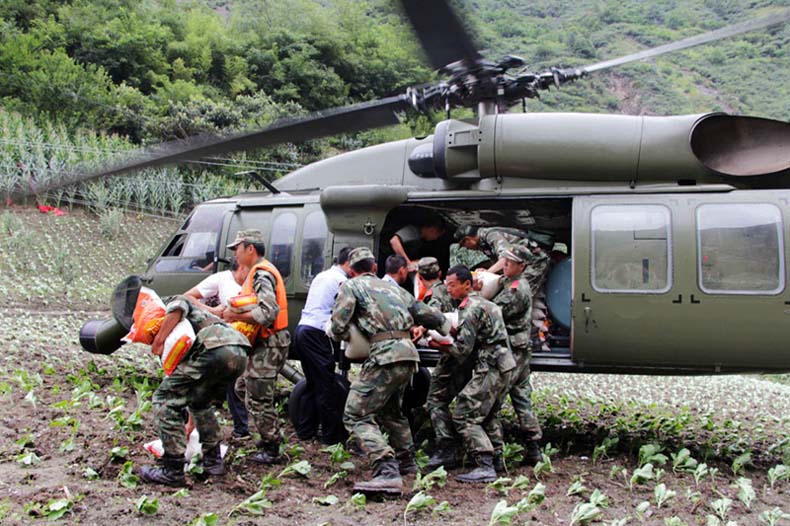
222, 286
317, 355
212, 294
396, 270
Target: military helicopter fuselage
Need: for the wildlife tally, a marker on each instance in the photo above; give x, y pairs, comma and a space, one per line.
675, 227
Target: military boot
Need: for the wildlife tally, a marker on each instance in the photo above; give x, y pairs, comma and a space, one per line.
386, 479
212, 462
484, 472
267, 454
499, 462
532, 453
445, 455
406, 463
171, 472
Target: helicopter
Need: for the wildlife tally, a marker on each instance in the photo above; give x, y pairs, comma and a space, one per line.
674, 227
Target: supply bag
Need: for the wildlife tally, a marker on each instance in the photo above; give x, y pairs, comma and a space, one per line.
149, 313
177, 345
243, 303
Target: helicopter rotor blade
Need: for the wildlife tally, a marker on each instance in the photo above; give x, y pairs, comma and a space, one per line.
724, 32
440, 32
346, 119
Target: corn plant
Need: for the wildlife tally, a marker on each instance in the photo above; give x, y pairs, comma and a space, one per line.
699, 473
126, 476
335, 478
651, 453
642, 475
337, 453
329, 500
358, 500
674, 521
502, 485
599, 499
301, 468
682, 461
502, 514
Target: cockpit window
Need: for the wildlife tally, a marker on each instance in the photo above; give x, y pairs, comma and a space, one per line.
193, 249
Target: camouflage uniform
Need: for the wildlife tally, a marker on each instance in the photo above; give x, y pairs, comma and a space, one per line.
515, 300
437, 297
448, 376
384, 313
216, 358
481, 328
469, 258
266, 362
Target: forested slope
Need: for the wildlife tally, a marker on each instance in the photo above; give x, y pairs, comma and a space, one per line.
160, 69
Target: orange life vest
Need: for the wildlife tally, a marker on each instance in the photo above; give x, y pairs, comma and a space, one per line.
281, 322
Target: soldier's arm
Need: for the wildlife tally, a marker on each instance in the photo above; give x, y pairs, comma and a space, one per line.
465, 338
342, 312
428, 316
176, 310
267, 309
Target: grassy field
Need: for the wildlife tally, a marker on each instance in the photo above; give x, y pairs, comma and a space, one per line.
624, 449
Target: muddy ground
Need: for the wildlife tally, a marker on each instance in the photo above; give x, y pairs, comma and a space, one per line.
63, 411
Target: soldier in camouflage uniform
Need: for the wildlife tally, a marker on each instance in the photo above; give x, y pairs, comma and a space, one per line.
217, 357
471, 259
436, 295
385, 314
270, 352
481, 330
494, 241
515, 300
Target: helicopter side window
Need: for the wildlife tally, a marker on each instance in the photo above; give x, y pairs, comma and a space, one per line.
282, 243
631, 248
313, 241
739, 249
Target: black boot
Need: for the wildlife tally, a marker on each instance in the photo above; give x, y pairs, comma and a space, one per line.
499, 462
532, 453
484, 472
267, 454
445, 455
406, 463
212, 462
386, 479
171, 472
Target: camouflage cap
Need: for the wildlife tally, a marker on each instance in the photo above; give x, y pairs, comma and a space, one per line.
544, 239
428, 266
464, 231
359, 254
247, 236
517, 253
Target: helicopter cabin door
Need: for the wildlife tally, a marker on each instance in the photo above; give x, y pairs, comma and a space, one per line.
682, 282
624, 280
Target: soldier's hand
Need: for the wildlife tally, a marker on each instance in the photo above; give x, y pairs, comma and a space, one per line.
228, 315
157, 347
417, 332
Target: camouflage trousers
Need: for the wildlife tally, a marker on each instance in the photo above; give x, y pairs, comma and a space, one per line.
521, 396
264, 365
447, 380
476, 412
199, 379
374, 404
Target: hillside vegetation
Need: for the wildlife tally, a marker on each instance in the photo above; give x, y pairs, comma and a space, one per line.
161, 69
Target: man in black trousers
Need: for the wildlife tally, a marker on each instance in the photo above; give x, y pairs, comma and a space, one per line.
323, 398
